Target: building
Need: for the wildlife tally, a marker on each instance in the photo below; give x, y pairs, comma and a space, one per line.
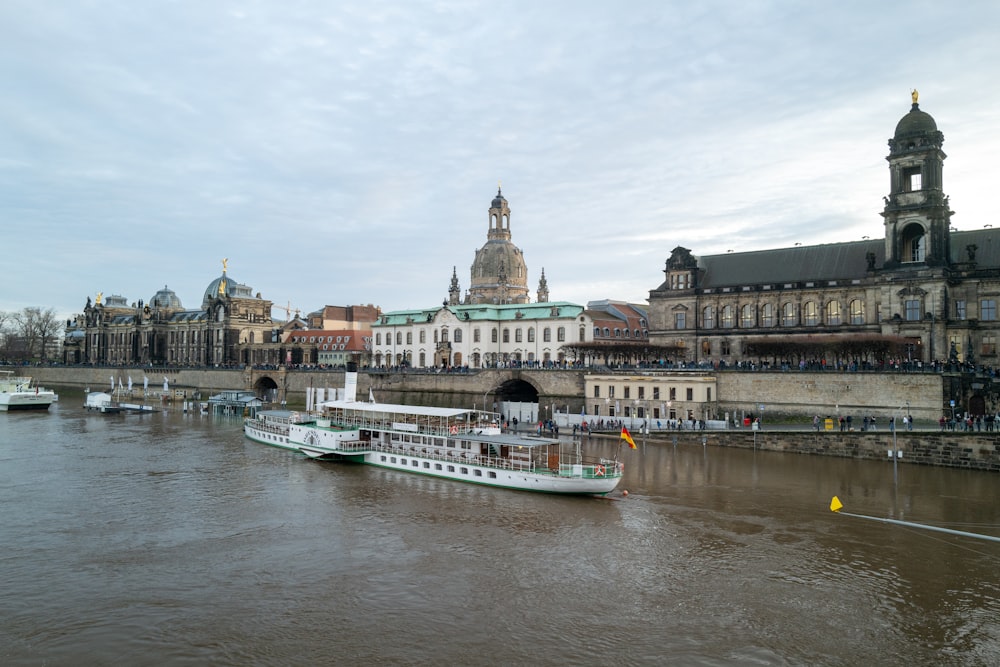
922, 292
659, 397
233, 326
480, 335
330, 348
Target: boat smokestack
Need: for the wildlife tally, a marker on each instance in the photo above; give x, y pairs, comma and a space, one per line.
351, 382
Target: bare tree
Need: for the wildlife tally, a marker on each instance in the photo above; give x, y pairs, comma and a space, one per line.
32, 331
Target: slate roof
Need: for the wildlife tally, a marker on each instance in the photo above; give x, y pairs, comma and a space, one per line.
830, 261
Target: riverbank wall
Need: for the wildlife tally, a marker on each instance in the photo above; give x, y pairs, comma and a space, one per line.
975, 450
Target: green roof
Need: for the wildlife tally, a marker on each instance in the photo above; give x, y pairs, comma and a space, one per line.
485, 312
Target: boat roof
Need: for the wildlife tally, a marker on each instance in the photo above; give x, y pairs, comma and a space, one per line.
421, 410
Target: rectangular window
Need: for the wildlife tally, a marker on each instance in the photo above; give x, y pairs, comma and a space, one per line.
989, 345
628, 392
679, 321
988, 310
673, 393
708, 394
912, 307
506, 335
959, 309
475, 335
690, 394
656, 393
642, 393
611, 391
597, 391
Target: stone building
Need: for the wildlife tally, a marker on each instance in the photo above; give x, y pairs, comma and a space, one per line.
923, 281
232, 326
499, 274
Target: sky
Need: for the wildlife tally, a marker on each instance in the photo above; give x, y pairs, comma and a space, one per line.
347, 152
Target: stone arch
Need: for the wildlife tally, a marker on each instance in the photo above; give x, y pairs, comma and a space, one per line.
266, 388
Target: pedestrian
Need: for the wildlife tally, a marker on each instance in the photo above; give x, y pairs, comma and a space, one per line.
892, 424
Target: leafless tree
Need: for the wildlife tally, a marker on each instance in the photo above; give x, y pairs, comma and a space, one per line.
31, 332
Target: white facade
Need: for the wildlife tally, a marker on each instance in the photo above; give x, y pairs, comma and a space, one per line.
480, 335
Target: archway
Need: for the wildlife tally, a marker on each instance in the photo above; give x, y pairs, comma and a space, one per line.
517, 399
266, 389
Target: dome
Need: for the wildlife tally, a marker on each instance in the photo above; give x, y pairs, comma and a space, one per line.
165, 298
499, 262
227, 287
914, 123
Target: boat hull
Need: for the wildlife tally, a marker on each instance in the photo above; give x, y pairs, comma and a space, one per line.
26, 401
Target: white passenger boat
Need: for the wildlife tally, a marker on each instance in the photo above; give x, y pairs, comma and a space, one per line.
18, 392
451, 443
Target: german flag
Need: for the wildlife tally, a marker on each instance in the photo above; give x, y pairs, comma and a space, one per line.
627, 437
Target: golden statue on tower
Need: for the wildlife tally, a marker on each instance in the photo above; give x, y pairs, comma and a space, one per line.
914, 95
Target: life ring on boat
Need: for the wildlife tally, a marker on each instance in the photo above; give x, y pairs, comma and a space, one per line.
454, 430
598, 471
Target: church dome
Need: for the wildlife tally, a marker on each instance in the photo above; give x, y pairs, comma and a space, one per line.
165, 298
916, 122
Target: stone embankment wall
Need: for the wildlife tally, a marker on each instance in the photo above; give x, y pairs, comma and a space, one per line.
976, 451
830, 393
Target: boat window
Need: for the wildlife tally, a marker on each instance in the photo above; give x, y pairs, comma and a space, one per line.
383, 458
437, 466
416, 463
451, 468
478, 473
465, 471
492, 475
427, 464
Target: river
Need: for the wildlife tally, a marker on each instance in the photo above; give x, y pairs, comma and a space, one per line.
169, 539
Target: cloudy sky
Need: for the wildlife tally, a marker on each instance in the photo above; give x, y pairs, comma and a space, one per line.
341, 152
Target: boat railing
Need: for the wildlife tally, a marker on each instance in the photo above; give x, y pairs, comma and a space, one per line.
587, 470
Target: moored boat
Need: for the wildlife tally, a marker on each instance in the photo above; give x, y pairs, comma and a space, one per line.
19, 392
451, 443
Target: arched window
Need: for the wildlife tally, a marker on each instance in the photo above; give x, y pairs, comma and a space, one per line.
810, 314
833, 316
531, 334
746, 317
561, 334
727, 318
914, 243
458, 335
708, 317
399, 338
767, 315
495, 335
788, 318
857, 311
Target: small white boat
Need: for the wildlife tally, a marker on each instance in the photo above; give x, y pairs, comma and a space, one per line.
451, 443
104, 402
18, 392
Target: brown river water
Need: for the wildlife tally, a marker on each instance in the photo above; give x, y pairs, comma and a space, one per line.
169, 539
